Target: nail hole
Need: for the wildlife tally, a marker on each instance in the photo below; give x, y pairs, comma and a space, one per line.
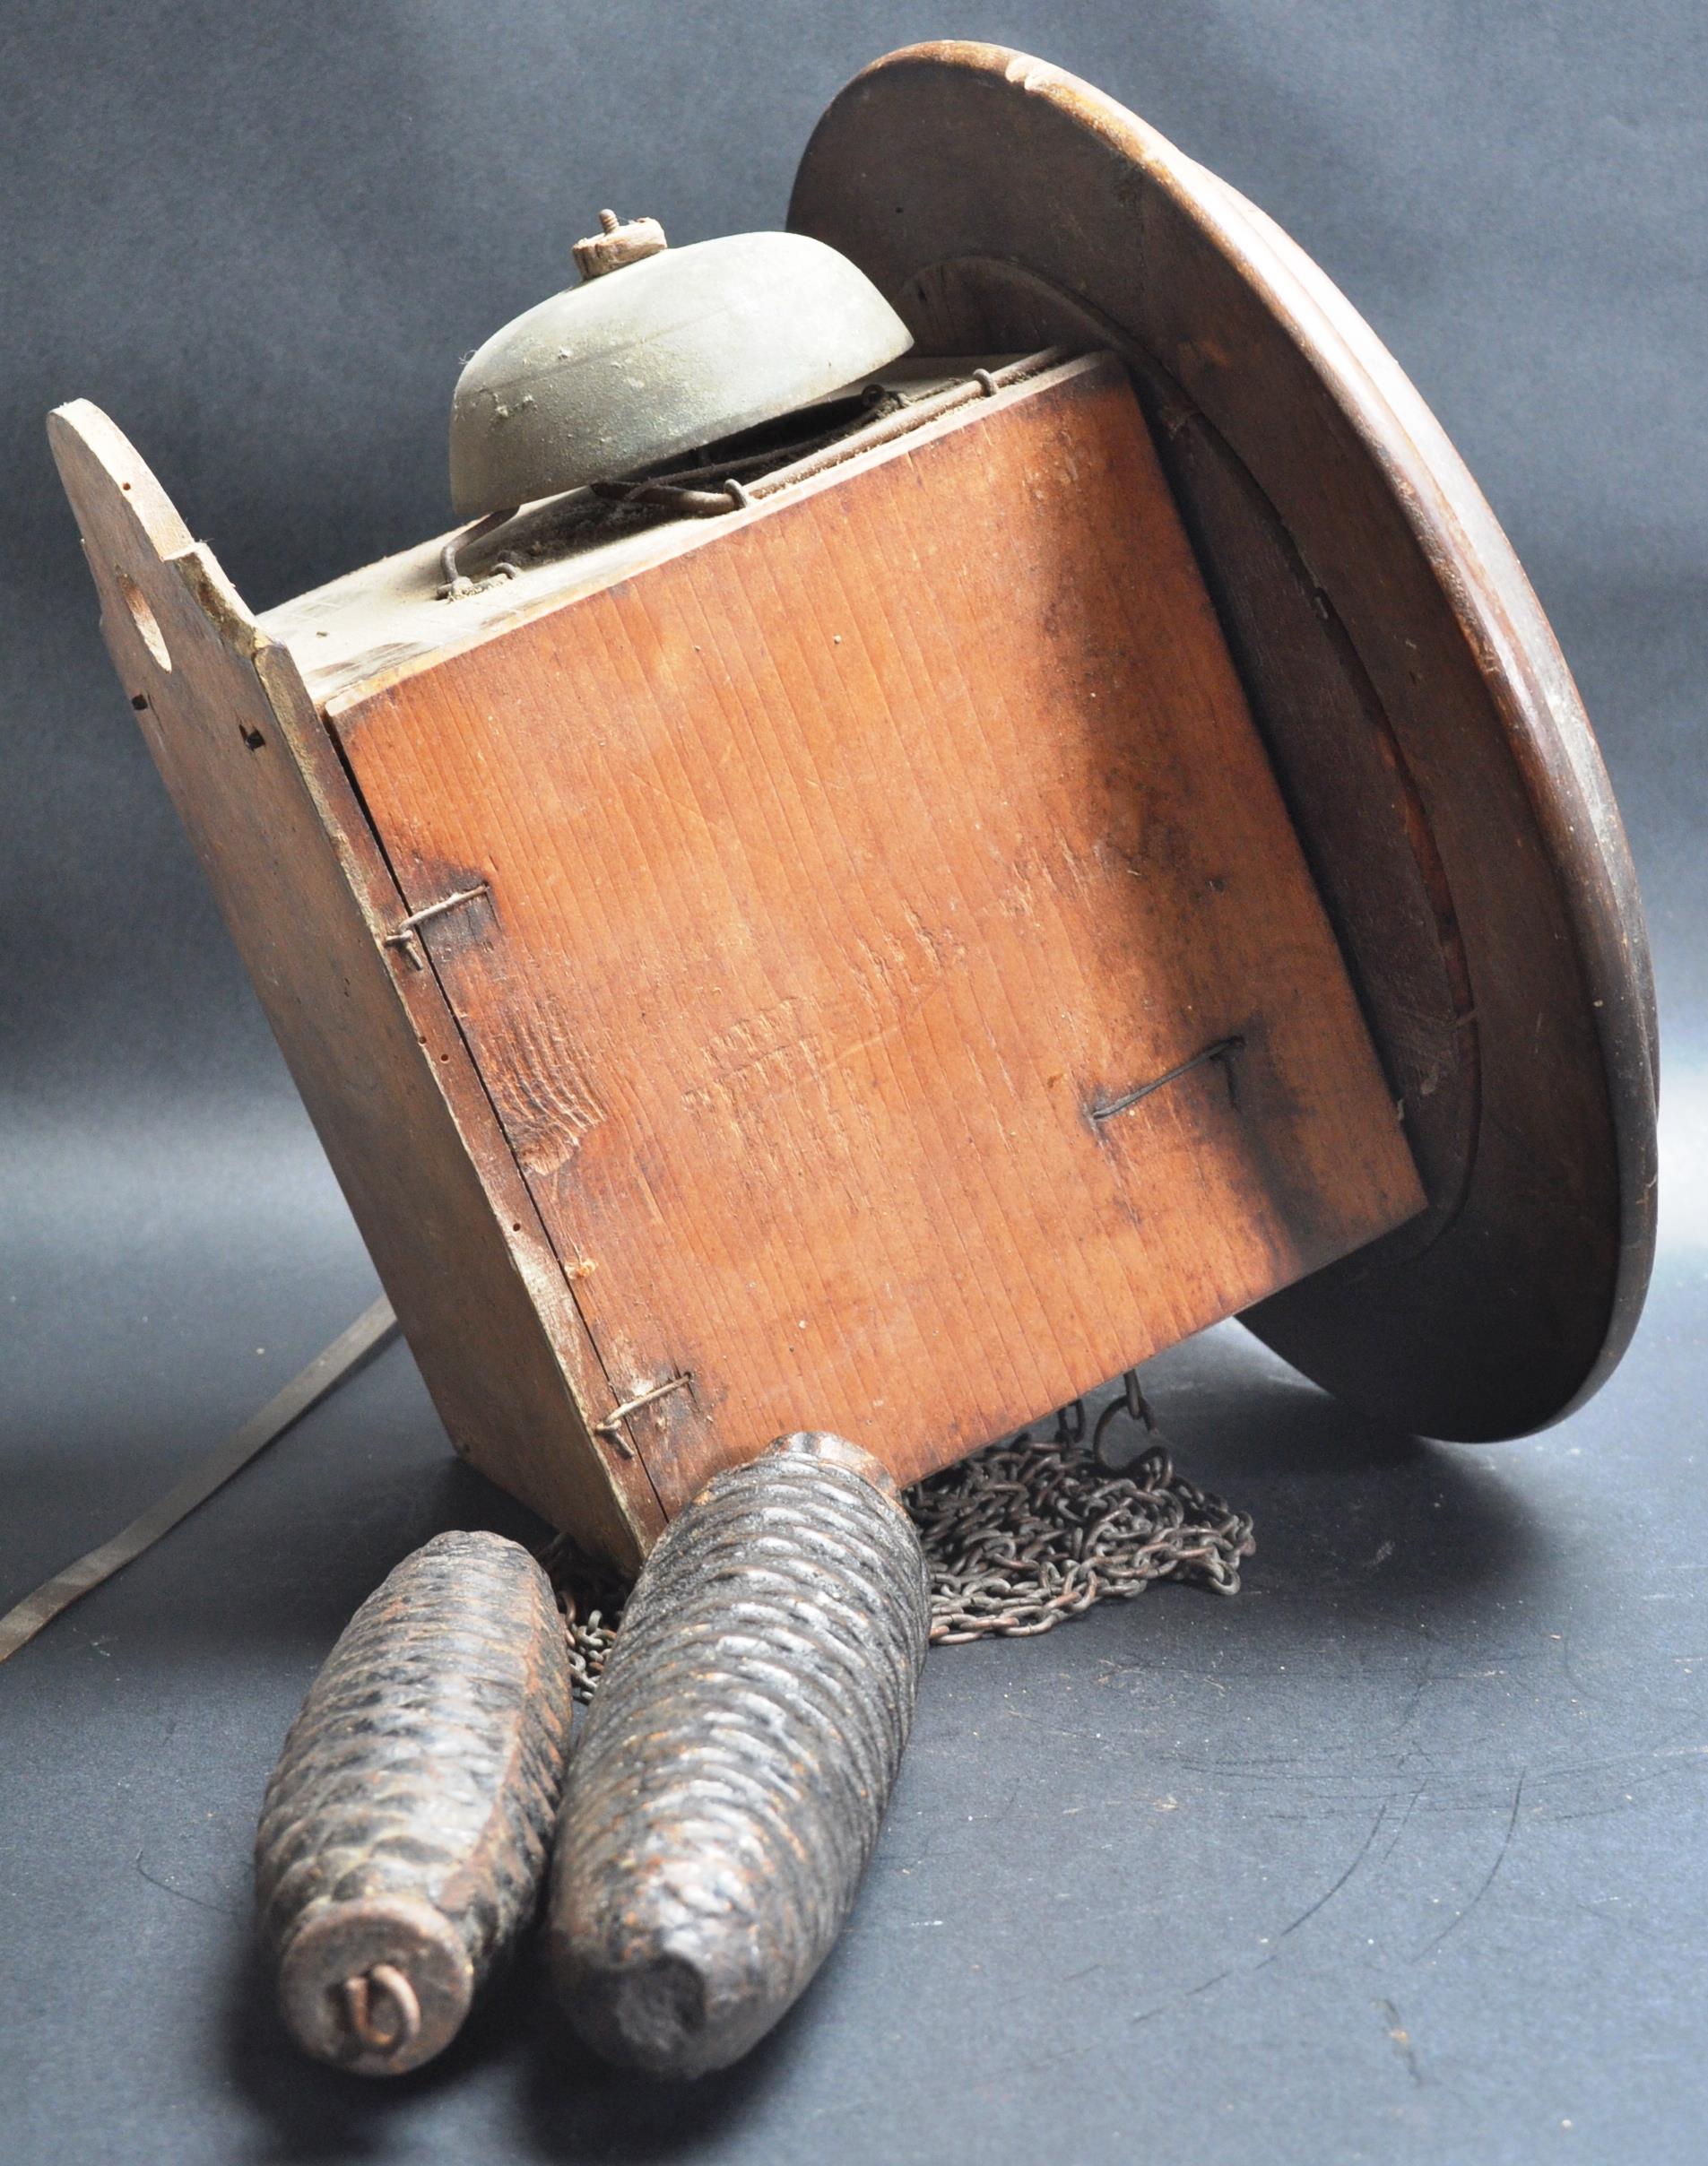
252, 738
125, 487
147, 624
139, 700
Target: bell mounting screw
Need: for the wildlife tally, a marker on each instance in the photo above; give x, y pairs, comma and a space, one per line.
619, 241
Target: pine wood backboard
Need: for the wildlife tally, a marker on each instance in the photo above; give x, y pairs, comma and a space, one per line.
892, 966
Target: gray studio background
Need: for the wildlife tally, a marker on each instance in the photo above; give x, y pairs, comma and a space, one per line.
1401, 1854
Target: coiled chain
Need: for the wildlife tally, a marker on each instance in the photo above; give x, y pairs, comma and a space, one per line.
1018, 1539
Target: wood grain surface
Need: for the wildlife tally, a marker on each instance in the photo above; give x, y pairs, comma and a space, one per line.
993, 196
849, 878
382, 1069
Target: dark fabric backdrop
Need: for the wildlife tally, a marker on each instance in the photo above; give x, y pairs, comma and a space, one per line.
1398, 1855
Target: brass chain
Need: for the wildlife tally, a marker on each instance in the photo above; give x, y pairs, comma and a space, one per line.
1017, 1538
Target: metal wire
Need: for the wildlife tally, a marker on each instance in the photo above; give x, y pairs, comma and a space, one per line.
1018, 1539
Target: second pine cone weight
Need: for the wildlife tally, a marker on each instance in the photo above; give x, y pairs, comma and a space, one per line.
738, 1757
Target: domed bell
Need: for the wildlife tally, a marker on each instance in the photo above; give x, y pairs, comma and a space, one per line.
658, 351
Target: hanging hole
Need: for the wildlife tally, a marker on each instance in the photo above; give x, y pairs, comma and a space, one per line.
145, 619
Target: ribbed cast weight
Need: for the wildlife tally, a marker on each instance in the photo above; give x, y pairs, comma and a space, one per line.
738, 1757
404, 1833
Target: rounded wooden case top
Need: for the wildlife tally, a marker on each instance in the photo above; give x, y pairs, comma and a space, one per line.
1429, 741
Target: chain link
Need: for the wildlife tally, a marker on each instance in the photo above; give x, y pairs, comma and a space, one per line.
591, 1596
1018, 1539
1034, 1531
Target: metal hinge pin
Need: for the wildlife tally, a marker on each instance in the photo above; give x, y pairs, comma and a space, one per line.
405, 932
611, 1426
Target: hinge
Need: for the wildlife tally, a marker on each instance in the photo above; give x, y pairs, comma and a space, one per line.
406, 935
611, 1427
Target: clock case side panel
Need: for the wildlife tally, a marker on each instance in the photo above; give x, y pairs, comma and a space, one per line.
363, 1025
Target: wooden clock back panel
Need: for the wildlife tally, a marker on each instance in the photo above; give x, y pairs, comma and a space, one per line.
849, 878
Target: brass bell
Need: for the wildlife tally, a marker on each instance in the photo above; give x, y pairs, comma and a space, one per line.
657, 351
